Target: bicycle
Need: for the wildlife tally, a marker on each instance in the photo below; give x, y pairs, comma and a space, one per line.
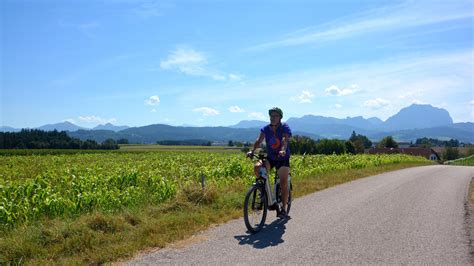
260, 198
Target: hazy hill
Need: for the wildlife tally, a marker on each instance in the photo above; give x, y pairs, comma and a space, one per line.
110, 126
64, 126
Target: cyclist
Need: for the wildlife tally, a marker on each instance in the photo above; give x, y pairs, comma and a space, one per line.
277, 136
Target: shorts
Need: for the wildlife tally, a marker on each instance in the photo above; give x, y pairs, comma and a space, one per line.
278, 164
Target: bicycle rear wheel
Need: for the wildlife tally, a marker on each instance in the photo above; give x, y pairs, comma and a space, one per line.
255, 208
279, 197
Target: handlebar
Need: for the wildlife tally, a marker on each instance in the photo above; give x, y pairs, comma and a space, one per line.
259, 156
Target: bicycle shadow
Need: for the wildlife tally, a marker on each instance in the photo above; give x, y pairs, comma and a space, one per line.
270, 235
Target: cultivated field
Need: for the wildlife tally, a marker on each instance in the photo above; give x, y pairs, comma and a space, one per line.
97, 207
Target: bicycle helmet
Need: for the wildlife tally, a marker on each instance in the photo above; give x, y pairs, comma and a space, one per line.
276, 109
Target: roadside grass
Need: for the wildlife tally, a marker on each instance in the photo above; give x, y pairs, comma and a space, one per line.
467, 161
101, 237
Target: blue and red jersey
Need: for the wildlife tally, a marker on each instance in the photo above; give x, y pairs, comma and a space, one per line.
274, 139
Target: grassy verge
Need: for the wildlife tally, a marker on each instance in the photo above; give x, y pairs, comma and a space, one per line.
467, 161
100, 237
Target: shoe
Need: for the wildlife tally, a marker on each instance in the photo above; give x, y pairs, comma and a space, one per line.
282, 214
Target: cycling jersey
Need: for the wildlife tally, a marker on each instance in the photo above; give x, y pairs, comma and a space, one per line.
274, 139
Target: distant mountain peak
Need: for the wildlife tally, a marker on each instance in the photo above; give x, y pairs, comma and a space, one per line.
63, 126
418, 116
110, 126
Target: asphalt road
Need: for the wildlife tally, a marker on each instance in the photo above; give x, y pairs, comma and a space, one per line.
411, 216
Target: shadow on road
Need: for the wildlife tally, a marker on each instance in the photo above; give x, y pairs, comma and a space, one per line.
270, 235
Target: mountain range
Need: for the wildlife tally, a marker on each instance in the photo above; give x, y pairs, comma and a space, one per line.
410, 123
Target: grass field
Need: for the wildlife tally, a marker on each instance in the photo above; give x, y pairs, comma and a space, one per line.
142, 147
91, 208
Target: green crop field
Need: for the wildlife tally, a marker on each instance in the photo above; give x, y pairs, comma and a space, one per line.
38, 189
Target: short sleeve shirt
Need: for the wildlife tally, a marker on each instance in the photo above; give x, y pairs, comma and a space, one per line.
274, 139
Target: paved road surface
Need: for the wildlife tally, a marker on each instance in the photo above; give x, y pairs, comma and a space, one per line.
415, 216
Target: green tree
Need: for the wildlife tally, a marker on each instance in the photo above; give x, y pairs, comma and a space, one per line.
450, 153
327, 146
359, 146
388, 142
122, 141
302, 145
350, 148
355, 138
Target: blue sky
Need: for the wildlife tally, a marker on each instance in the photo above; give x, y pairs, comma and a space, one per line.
219, 62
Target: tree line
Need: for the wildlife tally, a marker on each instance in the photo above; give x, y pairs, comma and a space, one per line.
304, 145
40, 139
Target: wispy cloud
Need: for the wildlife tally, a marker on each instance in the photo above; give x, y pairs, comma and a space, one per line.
153, 100
96, 119
194, 63
305, 97
408, 14
206, 111
236, 109
336, 91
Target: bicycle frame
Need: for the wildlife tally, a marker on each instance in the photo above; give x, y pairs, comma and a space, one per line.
271, 194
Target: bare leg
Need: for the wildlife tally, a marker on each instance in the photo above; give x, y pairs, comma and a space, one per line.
283, 173
257, 166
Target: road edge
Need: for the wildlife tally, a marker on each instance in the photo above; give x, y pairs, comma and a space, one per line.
469, 218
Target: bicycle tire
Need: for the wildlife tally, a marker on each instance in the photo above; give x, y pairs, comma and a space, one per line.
257, 200
278, 195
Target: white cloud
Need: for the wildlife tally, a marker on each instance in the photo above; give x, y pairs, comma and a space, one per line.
337, 106
236, 109
256, 115
336, 91
376, 103
194, 63
206, 111
153, 100
153, 110
96, 119
471, 103
304, 97
186, 60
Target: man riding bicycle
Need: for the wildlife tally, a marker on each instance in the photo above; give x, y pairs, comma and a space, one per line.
277, 136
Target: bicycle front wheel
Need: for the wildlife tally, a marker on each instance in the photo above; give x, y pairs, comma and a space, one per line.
255, 208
